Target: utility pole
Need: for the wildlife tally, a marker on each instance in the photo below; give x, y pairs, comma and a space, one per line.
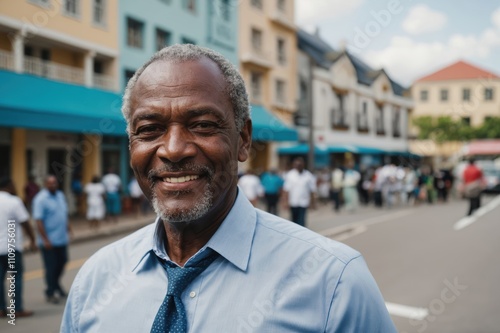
310, 105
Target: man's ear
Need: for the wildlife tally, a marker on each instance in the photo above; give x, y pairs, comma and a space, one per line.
245, 141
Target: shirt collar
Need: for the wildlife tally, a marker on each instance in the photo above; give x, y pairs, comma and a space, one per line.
232, 240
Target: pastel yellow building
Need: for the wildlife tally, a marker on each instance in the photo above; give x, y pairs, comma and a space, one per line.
461, 91
54, 50
268, 60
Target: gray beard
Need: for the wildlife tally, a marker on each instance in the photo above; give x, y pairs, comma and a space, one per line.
198, 211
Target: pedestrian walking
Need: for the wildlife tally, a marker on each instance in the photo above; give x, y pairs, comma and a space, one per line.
251, 186
273, 185
13, 217
96, 208
137, 196
473, 186
350, 188
210, 252
113, 184
50, 211
337, 183
299, 190
30, 190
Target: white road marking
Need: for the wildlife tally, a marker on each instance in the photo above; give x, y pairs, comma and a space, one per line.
407, 311
468, 220
356, 228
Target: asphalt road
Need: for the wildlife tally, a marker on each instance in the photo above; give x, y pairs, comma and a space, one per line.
433, 277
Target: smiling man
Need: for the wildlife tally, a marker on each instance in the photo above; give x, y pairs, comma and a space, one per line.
211, 262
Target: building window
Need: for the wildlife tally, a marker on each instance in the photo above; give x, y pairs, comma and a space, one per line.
190, 5
162, 39
444, 94
257, 3
466, 94
396, 123
256, 80
281, 51
424, 95
362, 118
379, 120
134, 33
339, 115
225, 10
72, 7
281, 4
256, 40
466, 120
98, 66
42, 3
280, 92
128, 75
488, 94
99, 12
185, 40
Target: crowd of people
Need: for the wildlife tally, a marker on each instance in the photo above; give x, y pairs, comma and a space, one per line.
348, 186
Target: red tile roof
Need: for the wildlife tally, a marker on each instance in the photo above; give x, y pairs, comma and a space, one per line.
457, 71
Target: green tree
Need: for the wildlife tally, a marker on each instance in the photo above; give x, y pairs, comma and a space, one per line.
443, 129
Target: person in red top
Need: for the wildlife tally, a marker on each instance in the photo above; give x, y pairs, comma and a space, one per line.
473, 177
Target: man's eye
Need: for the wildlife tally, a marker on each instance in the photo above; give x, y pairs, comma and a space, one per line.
204, 125
149, 129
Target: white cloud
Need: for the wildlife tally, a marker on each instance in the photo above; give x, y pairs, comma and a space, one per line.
422, 19
495, 17
406, 60
312, 11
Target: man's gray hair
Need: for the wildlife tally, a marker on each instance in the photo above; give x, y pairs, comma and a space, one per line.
235, 86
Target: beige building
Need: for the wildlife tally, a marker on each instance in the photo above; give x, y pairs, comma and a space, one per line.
267, 53
461, 91
54, 50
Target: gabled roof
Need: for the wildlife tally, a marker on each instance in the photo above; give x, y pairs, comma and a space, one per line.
459, 71
324, 56
315, 47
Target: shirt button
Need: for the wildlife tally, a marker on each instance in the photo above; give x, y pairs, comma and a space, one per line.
192, 294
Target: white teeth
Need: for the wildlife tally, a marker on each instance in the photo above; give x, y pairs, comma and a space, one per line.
180, 179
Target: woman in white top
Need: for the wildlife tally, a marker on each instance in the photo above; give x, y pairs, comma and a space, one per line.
96, 209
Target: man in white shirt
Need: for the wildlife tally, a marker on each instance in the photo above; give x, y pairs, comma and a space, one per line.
252, 187
13, 214
112, 183
299, 190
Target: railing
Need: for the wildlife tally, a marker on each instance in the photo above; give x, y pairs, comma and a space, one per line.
338, 119
53, 71
103, 81
260, 58
6, 60
379, 126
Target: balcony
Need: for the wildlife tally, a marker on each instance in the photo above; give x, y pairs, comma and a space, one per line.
379, 126
282, 19
55, 71
258, 58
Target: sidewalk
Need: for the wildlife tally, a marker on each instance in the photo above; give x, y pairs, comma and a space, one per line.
126, 223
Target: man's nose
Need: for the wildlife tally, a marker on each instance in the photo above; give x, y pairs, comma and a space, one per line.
176, 144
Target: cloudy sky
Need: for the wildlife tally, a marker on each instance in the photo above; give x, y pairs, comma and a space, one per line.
408, 38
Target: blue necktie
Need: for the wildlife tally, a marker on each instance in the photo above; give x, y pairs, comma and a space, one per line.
171, 316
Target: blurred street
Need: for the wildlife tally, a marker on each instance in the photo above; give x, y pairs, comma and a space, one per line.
436, 278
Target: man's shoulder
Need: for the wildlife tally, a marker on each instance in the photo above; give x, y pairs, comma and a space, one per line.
123, 251
303, 239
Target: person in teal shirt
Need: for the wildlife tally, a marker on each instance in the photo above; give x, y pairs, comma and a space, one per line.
272, 184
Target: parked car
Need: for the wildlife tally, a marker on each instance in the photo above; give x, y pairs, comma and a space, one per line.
492, 178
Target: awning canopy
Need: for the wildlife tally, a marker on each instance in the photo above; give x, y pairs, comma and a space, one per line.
330, 149
33, 102
267, 127
483, 147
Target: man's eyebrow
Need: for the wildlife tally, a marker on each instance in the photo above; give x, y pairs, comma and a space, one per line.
146, 116
205, 111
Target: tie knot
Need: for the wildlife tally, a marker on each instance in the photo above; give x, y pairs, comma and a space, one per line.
180, 277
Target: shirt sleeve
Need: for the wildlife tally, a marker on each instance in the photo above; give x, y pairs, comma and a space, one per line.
357, 304
71, 315
37, 208
22, 214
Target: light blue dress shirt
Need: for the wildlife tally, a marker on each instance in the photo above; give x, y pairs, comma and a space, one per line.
53, 211
272, 276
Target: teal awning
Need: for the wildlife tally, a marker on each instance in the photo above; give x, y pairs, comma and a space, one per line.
267, 127
301, 149
33, 102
